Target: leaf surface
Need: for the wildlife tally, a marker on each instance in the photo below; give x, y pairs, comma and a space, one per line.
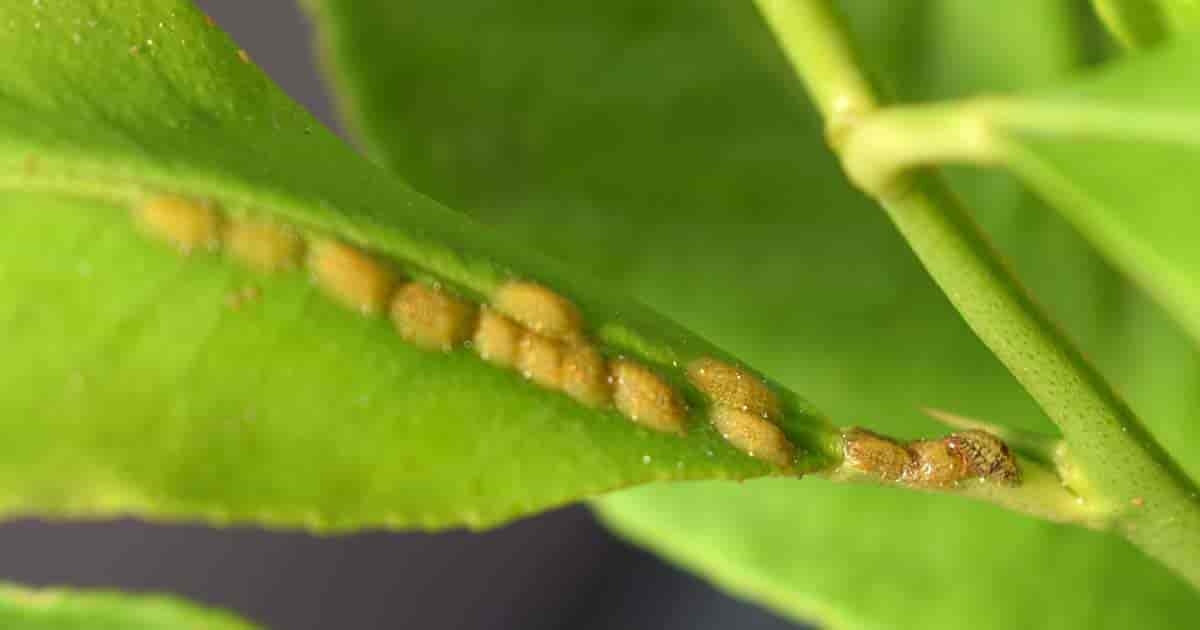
139, 380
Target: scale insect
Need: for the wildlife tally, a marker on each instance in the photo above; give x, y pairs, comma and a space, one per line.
539, 359
644, 397
753, 434
496, 338
732, 387
351, 276
539, 309
939, 462
185, 224
585, 376
743, 407
263, 245
872, 453
431, 318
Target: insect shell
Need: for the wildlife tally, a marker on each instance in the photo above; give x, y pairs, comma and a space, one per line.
585, 376
937, 463
961, 456
431, 318
539, 359
497, 338
875, 454
644, 397
186, 224
729, 386
753, 434
351, 276
264, 246
984, 456
540, 310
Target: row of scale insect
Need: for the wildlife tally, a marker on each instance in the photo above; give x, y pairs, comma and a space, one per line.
524, 326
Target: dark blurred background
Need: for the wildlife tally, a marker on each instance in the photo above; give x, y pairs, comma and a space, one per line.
557, 570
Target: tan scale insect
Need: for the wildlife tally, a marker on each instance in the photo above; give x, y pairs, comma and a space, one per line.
743, 409
938, 462
753, 434
644, 397
539, 309
496, 338
872, 453
733, 387
585, 377
961, 456
985, 456
263, 245
351, 276
539, 359
934, 464
431, 318
185, 224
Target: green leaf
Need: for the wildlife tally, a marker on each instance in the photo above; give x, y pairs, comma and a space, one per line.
64, 609
1142, 23
144, 381
1115, 153
668, 145
1134, 23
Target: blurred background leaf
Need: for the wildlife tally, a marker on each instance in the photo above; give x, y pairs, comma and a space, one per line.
59, 609
1142, 23
1117, 153
668, 146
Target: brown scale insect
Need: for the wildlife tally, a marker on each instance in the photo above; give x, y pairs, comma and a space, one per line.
539, 309
733, 387
873, 453
263, 245
431, 318
539, 359
644, 397
934, 464
941, 462
351, 276
496, 338
753, 434
743, 407
985, 456
185, 224
585, 377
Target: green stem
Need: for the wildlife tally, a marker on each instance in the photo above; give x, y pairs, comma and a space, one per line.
881, 147
1115, 464
840, 91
